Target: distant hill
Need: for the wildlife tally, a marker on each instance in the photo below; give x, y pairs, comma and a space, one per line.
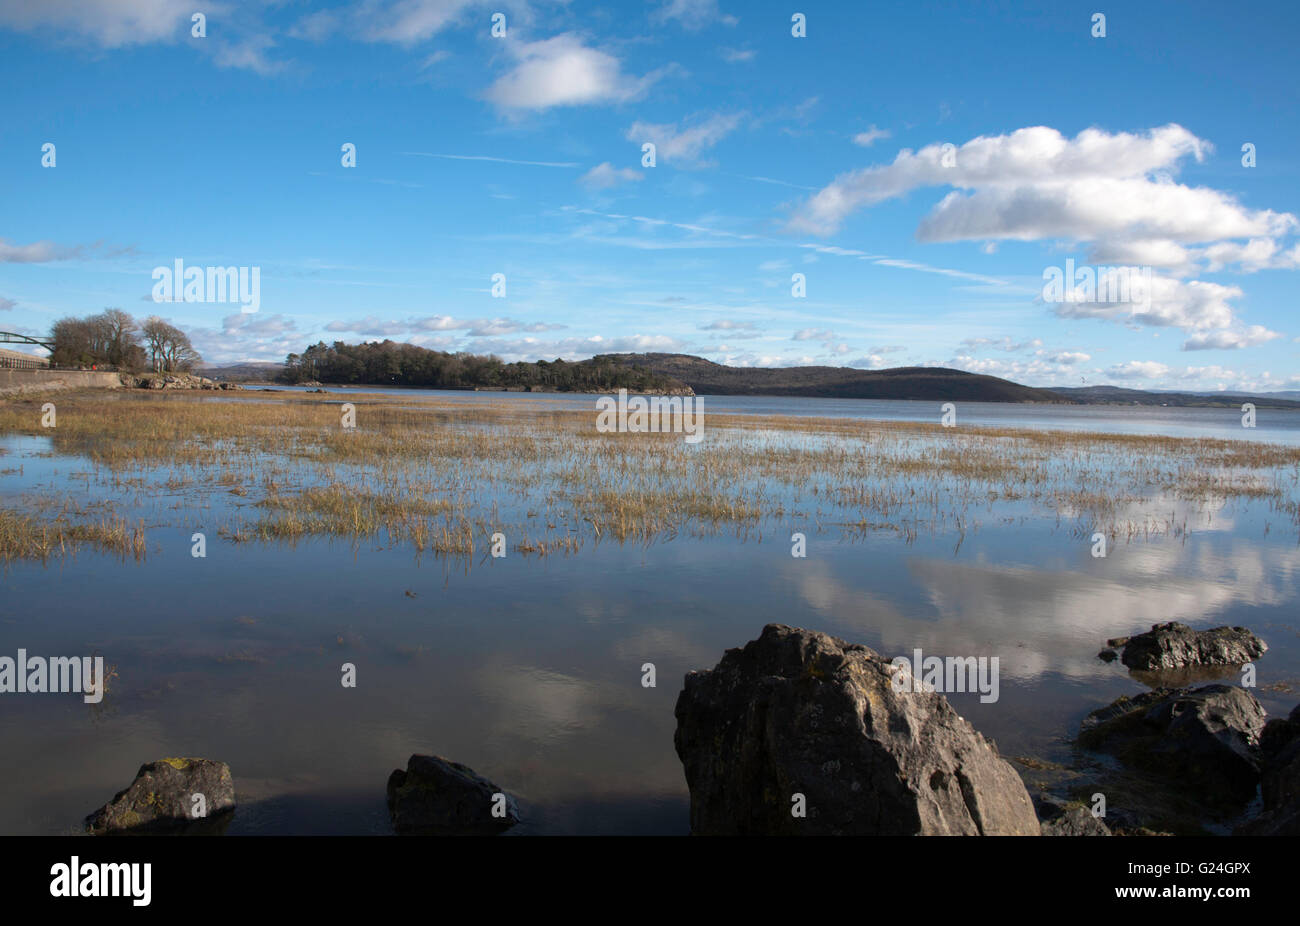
931, 383
251, 371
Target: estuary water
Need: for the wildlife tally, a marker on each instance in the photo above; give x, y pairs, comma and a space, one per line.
530, 670
1278, 425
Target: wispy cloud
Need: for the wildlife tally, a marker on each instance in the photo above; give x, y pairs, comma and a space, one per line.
693, 15
870, 136
684, 144
603, 176
484, 157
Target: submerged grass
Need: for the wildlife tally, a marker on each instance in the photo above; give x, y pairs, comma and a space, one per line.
444, 475
27, 537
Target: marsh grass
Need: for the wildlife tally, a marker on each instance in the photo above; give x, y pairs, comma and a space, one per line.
28, 537
442, 475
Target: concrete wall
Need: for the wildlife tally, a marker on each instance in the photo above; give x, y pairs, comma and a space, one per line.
14, 381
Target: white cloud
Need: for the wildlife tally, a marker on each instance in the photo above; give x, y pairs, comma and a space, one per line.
1090, 208
813, 334
870, 136
258, 324
693, 14
576, 348
1003, 344
109, 23
1193, 305
242, 43
684, 144
1068, 357
1148, 252
736, 55
35, 253
562, 71
317, 26
1035, 183
372, 326
1138, 369
870, 362
1230, 339
1255, 254
1115, 191
39, 252
249, 54
407, 21
1044, 369
603, 176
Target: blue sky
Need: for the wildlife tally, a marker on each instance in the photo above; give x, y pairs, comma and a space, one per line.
776, 155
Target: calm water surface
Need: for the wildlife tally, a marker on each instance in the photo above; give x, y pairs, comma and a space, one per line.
529, 670
1273, 425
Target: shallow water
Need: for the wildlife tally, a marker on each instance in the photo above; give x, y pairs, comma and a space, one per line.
530, 670
1276, 425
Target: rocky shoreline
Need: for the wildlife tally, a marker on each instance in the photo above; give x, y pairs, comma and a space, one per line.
174, 381
801, 733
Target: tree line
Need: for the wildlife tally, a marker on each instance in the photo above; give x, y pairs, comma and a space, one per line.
114, 339
393, 364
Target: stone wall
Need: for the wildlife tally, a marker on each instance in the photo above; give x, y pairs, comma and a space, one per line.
21, 381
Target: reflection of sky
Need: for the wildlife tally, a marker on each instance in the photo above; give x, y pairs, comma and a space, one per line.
529, 670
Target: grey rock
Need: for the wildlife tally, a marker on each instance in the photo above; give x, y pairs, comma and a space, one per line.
162, 798
1175, 646
1206, 739
439, 797
1059, 818
1279, 748
801, 712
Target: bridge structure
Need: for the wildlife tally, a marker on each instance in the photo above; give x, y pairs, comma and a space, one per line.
10, 337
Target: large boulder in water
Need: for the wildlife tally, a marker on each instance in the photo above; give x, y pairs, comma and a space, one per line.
1204, 739
436, 796
801, 712
1176, 646
165, 796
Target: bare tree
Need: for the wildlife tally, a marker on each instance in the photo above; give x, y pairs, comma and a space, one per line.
72, 342
121, 336
169, 348
110, 338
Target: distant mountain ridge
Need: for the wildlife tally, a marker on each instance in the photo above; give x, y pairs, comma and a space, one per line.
929, 383
935, 383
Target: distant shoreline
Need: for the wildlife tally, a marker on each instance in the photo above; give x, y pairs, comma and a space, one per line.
1155, 400
686, 374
